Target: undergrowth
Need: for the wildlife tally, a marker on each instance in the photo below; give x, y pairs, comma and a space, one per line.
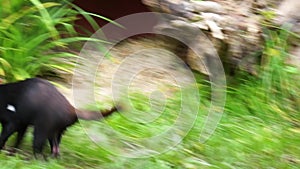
37, 37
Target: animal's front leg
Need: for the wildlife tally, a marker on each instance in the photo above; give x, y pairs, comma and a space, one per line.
21, 131
7, 130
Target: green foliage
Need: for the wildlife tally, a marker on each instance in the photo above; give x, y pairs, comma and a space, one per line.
268, 16
35, 36
280, 81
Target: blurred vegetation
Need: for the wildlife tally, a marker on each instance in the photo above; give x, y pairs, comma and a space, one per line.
259, 129
35, 37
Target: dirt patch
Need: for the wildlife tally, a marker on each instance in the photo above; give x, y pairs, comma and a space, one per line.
144, 65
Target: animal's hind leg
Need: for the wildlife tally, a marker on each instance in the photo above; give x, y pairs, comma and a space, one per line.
39, 139
20, 136
54, 144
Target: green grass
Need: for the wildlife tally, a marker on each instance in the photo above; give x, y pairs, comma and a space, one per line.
253, 133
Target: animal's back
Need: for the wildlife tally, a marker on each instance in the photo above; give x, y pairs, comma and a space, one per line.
38, 101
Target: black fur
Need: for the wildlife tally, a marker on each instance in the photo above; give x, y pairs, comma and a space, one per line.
38, 103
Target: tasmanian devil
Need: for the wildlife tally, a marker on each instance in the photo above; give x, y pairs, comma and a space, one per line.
38, 103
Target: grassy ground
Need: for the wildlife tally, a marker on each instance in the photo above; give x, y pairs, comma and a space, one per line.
253, 133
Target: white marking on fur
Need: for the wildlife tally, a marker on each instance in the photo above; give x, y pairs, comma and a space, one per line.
11, 108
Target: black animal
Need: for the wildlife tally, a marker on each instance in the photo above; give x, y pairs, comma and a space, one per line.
38, 103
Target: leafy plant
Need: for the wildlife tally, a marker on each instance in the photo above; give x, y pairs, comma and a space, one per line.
279, 79
36, 36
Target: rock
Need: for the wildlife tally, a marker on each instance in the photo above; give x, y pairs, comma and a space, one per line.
259, 4
212, 20
193, 17
151, 3
215, 29
234, 28
214, 17
196, 62
180, 8
294, 58
289, 13
184, 25
204, 62
201, 24
208, 6
176, 27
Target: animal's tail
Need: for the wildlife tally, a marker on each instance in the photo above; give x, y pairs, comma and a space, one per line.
94, 115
